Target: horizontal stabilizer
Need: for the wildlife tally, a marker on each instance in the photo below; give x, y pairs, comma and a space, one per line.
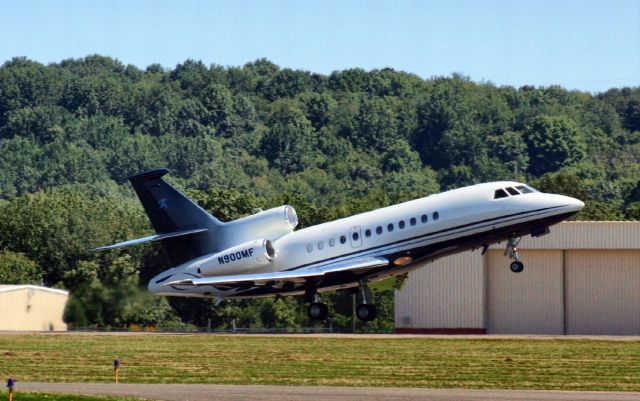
152, 238
272, 278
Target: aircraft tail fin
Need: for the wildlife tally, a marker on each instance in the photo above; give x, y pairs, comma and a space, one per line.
167, 208
170, 211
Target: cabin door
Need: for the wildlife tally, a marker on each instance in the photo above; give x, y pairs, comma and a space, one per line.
355, 236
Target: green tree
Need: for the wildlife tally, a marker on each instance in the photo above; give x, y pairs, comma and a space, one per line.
553, 142
289, 143
218, 102
134, 154
17, 268
511, 150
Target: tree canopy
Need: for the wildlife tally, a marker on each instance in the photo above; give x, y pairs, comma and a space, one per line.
256, 136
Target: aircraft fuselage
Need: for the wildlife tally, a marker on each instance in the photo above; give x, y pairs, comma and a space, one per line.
407, 233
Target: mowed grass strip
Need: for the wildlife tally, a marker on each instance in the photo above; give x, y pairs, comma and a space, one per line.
561, 364
20, 396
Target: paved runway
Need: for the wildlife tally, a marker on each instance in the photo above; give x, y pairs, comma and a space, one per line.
209, 392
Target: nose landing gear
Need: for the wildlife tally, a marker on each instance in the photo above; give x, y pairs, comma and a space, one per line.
512, 251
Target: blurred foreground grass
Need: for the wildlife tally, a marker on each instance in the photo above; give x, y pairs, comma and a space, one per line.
19, 396
562, 364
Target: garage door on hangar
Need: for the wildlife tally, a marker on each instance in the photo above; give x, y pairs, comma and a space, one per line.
565, 292
602, 292
524, 303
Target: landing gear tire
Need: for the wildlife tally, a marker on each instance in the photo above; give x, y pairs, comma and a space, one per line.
512, 251
366, 312
517, 266
318, 311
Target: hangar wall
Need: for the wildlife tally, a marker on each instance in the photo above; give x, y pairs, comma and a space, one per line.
583, 278
32, 308
446, 294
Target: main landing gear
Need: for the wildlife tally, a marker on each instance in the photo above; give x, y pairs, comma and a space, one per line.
512, 251
365, 311
316, 310
319, 311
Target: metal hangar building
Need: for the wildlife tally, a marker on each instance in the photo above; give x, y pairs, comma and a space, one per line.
32, 308
581, 279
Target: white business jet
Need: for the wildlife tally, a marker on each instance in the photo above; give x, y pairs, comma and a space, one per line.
261, 255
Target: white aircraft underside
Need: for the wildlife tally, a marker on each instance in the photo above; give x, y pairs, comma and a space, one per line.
261, 255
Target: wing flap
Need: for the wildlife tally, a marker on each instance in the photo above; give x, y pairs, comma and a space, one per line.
273, 278
152, 238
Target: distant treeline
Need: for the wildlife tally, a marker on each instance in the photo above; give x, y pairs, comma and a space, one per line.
239, 138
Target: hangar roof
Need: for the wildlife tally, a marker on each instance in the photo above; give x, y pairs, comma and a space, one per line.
587, 235
7, 288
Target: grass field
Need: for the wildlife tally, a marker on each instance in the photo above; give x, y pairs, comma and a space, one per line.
563, 364
62, 397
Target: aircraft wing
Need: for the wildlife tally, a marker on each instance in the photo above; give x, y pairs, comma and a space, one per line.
294, 276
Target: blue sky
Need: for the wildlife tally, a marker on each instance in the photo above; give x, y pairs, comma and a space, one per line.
587, 45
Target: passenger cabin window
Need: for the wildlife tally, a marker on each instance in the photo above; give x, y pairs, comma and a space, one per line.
401, 224
500, 193
512, 191
320, 245
367, 233
343, 239
436, 215
378, 230
424, 218
412, 221
355, 236
332, 242
524, 190
309, 248
390, 227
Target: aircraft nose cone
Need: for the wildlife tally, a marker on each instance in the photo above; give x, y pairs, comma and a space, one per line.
573, 204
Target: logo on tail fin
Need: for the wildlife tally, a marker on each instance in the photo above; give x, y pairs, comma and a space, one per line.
162, 203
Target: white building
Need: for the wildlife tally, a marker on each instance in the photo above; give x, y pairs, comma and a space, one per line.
32, 308
583, 278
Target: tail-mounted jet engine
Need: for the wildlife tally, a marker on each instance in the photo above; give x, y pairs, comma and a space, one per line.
238, 259
271, 224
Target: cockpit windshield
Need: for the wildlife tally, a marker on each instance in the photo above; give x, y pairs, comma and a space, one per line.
500, 193
513, 191
525, 189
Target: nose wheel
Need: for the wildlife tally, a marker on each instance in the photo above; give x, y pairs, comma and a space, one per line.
516, 267
512, 252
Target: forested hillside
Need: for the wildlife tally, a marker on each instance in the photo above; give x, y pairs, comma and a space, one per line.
239, 138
